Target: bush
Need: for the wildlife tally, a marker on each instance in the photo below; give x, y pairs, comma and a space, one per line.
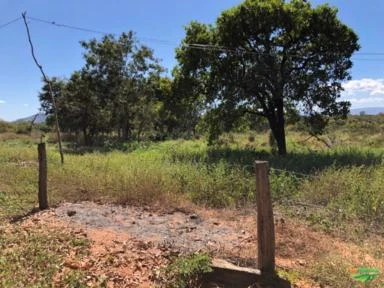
23, 128
186, 271
4, 127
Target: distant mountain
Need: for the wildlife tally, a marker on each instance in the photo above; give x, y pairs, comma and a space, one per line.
40, 118
367, 110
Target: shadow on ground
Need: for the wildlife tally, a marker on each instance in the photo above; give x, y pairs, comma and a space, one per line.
300, 162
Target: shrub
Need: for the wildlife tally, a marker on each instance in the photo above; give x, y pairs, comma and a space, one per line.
186, 271
4, 127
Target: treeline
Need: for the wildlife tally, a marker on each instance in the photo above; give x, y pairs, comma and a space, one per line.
290, 59
23, 127
120, 92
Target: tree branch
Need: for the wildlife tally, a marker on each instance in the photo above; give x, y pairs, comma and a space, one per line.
258, 113
46, 80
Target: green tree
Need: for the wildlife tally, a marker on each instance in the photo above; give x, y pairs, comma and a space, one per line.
44, 97
120, 69
112, 93
58, 85
86, 113
268, 57
78, 108
181, 105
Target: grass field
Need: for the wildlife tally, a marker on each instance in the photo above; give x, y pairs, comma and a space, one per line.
338, 190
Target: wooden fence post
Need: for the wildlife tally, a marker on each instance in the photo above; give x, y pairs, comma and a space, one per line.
43, 198
265, 222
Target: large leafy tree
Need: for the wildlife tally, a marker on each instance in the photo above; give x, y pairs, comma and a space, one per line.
120, 69
79, 109
181, 105
115, 91
267, 57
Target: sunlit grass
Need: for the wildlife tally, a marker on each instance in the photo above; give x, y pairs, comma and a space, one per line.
346, 179
330, 188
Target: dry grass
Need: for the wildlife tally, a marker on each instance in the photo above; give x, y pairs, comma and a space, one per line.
342, 193
33, 255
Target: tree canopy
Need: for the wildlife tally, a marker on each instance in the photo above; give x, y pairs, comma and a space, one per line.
268, 57
119, 91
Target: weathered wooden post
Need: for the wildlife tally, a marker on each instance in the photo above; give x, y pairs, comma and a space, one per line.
265, 222
43, 197
225, 274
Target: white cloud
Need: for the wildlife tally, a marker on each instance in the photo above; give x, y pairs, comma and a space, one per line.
367, 101
368, 86
26, 105
2, 102
366, 92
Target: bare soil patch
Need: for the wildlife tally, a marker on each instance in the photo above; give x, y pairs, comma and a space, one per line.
130, 245
185, 231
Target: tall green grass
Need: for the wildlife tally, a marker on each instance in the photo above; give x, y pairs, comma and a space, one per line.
347, 180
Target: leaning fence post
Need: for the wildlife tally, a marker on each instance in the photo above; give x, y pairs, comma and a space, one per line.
265, 222
43, 198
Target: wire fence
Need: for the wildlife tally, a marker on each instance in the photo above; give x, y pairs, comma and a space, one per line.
240, 179
369, 56
199, 46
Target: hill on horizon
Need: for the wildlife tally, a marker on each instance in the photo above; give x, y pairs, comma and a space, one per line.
40, 118
367, 110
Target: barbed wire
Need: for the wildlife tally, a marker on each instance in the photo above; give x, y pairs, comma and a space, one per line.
54, 23
200, 46
293, 173
244, 185
9, 23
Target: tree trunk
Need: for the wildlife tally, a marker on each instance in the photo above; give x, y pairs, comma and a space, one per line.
87, 137
281, 144
277, 123
126, 132
280, 140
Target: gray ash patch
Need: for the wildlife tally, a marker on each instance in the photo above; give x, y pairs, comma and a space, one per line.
188, 232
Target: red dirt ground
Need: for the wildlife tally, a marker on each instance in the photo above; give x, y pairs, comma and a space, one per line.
129, 245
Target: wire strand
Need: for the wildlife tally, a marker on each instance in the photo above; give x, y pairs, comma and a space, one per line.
293, 173
10, 22
198, 46
67, 26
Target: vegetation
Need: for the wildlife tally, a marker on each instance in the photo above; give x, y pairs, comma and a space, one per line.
289, 60
119, 93
288, 55
343, 183
133, 136
337, 189
366, 275
186, 271
32, 257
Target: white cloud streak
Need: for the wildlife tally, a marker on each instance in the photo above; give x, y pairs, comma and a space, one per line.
367, 86
366, 92
2, 102
367, 100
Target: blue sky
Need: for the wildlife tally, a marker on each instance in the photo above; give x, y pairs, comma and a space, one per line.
59, 51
